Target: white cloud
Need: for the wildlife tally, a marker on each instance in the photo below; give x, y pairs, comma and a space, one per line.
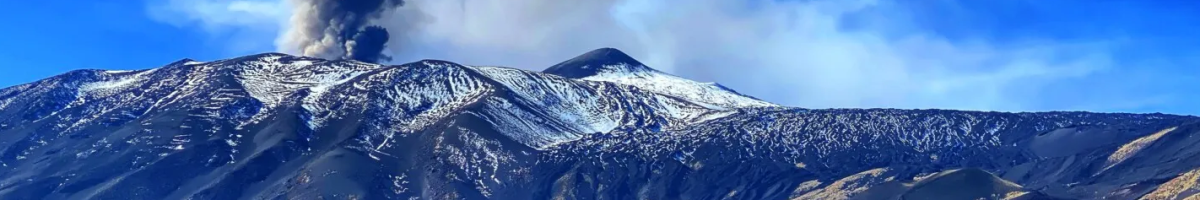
797, 53
242, 25
215, 15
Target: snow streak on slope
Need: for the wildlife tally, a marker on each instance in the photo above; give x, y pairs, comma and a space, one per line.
579, 107
711, 94
397, 100
535, 109
569, 101
565, 110
123, 79
271, 77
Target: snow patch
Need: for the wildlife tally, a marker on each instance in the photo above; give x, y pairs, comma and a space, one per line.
567, 101
116, 71
122, 80
324, 85
697, 92
120, 83
271, 81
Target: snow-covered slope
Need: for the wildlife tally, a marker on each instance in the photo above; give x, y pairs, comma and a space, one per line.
599, 126
614, 66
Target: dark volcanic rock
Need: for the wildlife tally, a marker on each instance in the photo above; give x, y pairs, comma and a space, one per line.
595, 62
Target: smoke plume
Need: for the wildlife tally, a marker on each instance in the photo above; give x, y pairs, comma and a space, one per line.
957, 54
339, 28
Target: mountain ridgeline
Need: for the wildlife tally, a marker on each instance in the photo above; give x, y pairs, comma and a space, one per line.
599, 126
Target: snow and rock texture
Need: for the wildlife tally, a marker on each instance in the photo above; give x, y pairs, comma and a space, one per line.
599, 126
611, 65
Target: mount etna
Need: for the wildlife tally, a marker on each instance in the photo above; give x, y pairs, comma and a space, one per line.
598, 126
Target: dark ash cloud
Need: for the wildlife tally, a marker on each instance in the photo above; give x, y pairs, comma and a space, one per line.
340, 28
368, 44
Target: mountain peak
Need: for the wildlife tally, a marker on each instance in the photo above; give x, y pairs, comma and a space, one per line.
596, 61
608, 54
181, 62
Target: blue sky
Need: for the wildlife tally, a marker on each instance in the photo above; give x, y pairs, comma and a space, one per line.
1019, 55
46, 38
